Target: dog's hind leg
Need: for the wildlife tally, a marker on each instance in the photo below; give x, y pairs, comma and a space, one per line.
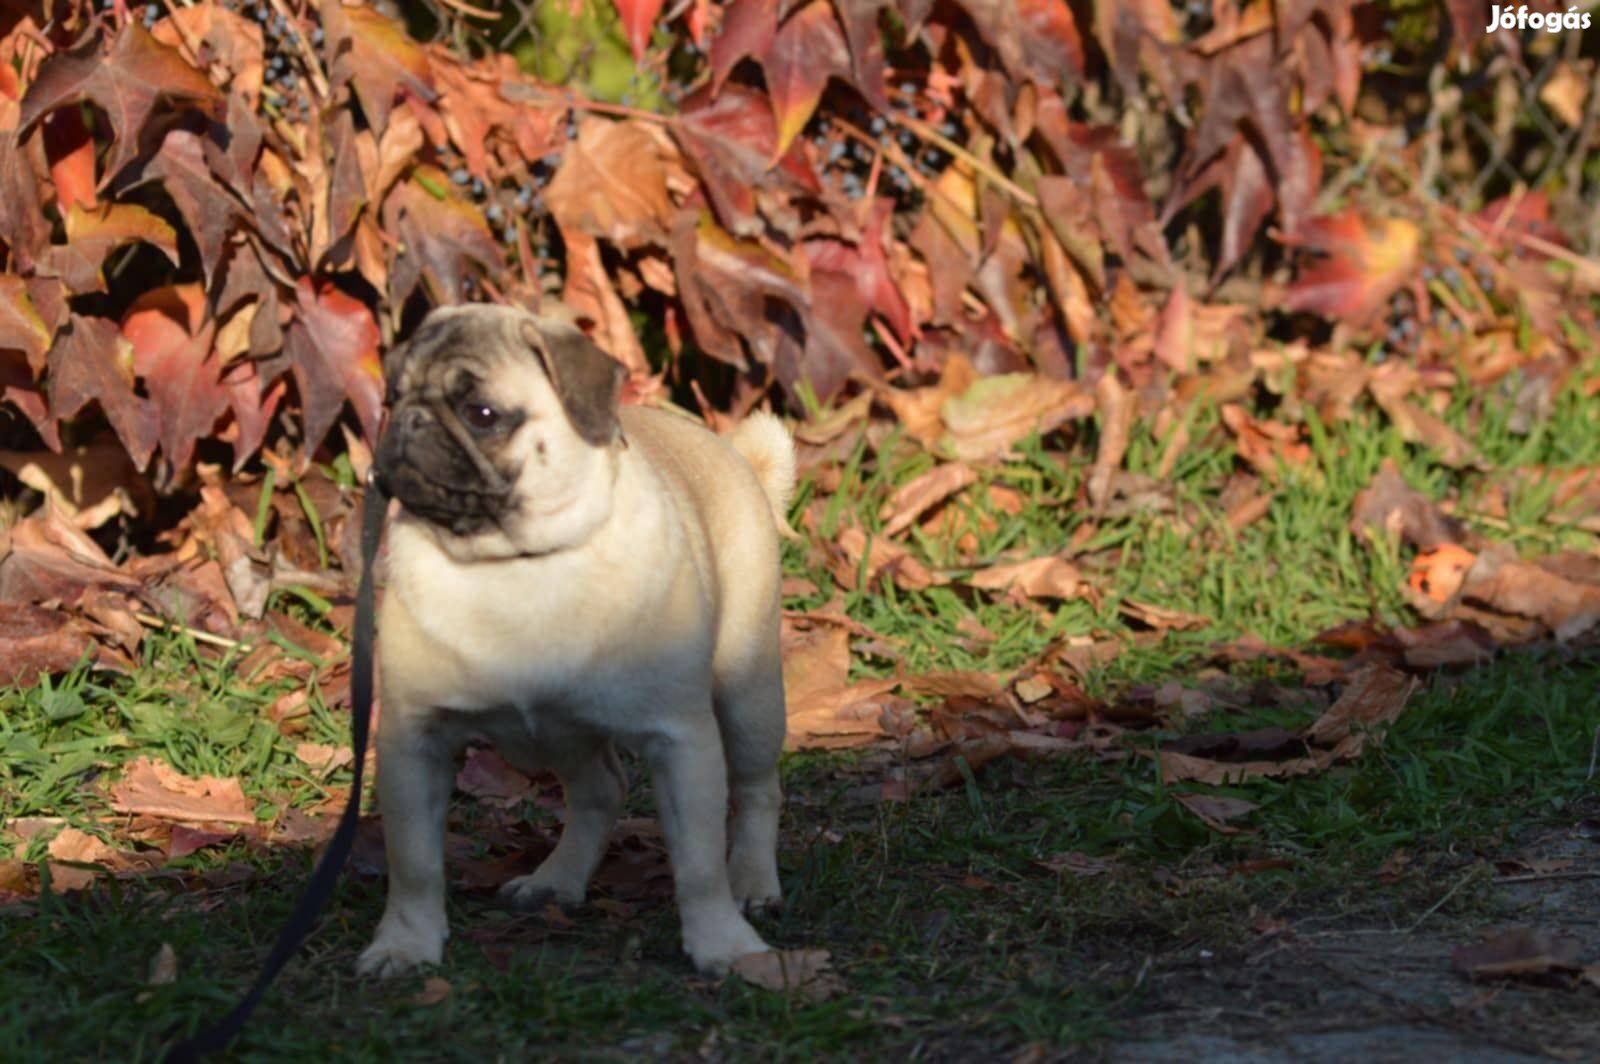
750, 715
595, 786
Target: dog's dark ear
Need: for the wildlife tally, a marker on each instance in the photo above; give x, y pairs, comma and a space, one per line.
586, 379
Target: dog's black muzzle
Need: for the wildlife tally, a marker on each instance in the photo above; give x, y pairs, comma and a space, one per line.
431, 464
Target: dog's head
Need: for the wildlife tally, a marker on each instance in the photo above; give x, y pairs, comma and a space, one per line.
502, 431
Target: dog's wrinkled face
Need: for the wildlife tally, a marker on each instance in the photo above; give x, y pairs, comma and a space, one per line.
501, 431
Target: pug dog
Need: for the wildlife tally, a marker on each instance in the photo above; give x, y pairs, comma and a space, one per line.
566, 577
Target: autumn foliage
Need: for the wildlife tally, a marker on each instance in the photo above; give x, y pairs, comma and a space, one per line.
215, 217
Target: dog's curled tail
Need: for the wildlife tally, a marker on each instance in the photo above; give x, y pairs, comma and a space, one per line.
763, 442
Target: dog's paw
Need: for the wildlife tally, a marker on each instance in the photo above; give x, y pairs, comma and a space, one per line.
755, 888
714, 948
395, 952
532, 893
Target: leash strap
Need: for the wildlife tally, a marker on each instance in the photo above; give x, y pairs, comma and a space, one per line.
216, 1037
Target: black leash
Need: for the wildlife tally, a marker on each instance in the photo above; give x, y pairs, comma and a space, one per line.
216, 1037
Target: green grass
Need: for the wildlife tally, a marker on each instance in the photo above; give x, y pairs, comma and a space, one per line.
955, 938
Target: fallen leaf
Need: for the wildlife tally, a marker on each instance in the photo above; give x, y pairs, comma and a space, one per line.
1518, 951
1048, 577
163, 968
1439, 573
324, 759
808, 973
157, 789
1501, 583
434, 990
1391, 507
1216, 810
921, 494
1078, 864
489, 777
1114, 405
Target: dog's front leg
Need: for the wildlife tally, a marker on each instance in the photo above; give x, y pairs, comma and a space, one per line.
691, 789
414, 782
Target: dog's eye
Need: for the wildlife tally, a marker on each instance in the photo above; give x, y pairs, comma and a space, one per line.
480, 416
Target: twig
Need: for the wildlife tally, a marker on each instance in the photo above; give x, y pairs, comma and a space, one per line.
150, 620
1535, 877
932, 136
1436, 906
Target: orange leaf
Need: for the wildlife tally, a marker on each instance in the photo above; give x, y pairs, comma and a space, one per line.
1438, 573
639, 19
1364, 264
155, 788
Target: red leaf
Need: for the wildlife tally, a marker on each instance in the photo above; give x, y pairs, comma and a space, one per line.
639, 19
24, 226
91, 362
207, 209
731, 140
1050, 40
860, 21
808, 50
333, 345
1365, 263
126, 82
175, 362
868, 264
70, 149
747, 30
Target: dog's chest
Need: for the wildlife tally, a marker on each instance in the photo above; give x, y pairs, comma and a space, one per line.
578, 637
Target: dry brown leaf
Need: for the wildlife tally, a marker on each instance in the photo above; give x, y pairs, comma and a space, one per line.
324, 759
996, 412
163, 969
923, 493
1216, 810
808, 973
1114, 408
1268, 446
883, 558
1389, 385
1377, 694
490, 778
1499, 582
434, 990
1162, 617
1517, 951
1566, 91
1391, 507
157, 789
70, 844
1048, 577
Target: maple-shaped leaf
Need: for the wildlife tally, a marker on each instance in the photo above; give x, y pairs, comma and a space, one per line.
808, 50
332, 345
377, 57
866, 262
208, 209
731, 139
612, 184
125, 81
438, 233
92, 235
867, 66
21, 327
638, 20
726, 284
171, 334
834, 348
91, 362
1363, 264
748, 27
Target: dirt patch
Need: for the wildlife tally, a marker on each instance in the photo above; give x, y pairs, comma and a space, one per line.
1377, 994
